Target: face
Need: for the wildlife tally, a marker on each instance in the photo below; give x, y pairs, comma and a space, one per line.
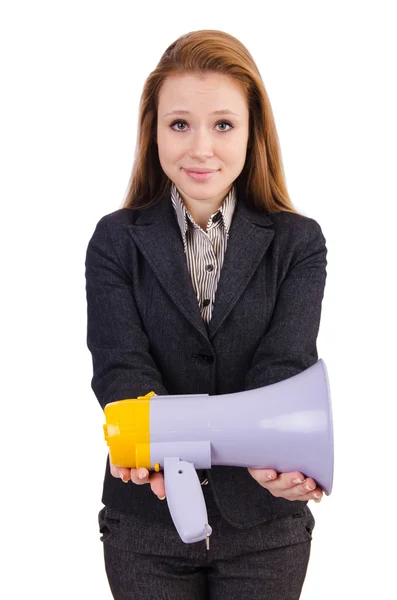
195, 138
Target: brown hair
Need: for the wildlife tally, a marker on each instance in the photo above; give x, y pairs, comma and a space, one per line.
262, 180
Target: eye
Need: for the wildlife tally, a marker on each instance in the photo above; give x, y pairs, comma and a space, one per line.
183, 121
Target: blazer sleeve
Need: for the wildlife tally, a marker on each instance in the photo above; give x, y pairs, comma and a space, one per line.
289, 344
122, 364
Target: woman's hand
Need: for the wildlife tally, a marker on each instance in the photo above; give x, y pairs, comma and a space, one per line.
291, 486
140, 476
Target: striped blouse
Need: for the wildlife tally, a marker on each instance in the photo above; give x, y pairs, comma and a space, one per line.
205, 250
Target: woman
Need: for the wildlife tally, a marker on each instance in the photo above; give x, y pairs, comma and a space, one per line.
206, 284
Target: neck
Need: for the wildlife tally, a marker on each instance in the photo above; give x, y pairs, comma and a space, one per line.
201, 210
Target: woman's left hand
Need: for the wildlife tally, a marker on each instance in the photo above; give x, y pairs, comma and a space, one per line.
291, 486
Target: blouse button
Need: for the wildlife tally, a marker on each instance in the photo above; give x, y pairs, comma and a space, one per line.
209, 268
206, 302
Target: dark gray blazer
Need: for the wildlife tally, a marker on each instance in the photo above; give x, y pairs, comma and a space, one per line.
146, 333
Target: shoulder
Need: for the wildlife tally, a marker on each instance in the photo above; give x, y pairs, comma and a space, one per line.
111, 226
110, 232
119, 218
294, 223
294, 229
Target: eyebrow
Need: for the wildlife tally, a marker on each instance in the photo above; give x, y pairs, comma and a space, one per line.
223, 111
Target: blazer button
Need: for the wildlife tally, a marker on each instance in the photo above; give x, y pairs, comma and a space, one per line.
208, 358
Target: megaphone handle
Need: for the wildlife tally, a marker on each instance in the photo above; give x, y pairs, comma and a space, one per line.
186, 500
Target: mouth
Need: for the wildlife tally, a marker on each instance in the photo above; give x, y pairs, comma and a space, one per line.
198, 170
200, 175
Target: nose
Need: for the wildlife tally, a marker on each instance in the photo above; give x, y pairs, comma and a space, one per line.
201, 145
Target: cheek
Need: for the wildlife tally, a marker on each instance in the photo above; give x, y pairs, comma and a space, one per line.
170, 149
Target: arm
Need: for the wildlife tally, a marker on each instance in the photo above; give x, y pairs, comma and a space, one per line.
289, 344
122, 365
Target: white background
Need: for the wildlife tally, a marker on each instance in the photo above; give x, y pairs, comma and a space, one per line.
71, 75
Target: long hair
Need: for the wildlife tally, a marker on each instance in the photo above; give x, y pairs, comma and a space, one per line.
262, 180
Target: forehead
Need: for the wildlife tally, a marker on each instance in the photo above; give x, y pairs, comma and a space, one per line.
188, 92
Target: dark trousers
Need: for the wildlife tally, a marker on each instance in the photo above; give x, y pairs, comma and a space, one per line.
146, 560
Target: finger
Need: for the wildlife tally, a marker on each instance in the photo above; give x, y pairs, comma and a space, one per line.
114, 470
309, 490
263, 475
316, 495
282, 481
295, 487
120, 472
295, 479
291, 486
297, 484
140, 476
308, 487
157, 485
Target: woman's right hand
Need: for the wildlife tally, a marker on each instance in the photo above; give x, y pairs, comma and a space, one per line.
140, 476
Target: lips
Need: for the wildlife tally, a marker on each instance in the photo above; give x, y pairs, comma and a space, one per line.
201, 175
201, 170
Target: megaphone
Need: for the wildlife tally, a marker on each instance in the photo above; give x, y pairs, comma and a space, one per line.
286, 426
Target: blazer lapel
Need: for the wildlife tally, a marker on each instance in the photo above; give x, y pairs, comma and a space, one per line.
250, 235
157, 234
